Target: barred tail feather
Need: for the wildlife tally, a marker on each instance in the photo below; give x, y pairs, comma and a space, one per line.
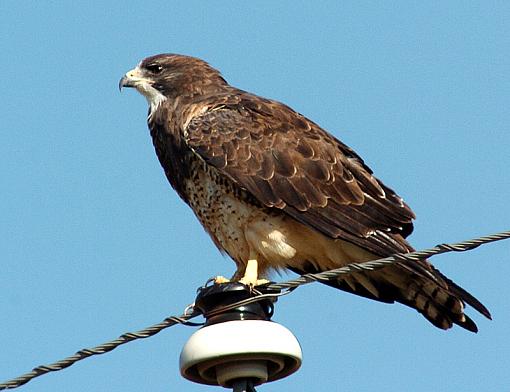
436, 297
438, 305
465, 296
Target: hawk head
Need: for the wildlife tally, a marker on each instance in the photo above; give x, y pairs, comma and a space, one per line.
167, 76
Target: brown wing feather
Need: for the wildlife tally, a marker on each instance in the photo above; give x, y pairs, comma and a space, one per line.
287, 161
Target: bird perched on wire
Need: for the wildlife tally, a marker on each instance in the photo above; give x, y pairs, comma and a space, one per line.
276, 191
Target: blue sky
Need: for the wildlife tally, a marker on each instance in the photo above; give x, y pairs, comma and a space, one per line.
95, 243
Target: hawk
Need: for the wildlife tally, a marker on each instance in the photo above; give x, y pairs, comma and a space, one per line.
275, 191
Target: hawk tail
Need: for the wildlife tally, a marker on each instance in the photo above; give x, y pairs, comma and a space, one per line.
441, 306
436, 297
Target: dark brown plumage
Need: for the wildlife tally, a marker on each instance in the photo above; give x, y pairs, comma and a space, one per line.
271, 186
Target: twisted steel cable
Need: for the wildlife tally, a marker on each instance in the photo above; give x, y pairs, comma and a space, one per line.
101, 349
287, 286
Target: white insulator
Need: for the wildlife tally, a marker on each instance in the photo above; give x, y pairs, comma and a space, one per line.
250, 349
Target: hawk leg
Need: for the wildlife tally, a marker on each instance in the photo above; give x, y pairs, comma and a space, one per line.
251, 275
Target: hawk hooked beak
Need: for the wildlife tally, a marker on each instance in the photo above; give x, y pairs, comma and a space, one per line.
133, 78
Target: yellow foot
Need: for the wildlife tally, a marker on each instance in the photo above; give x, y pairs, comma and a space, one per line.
220, 279
258, 282
251, 275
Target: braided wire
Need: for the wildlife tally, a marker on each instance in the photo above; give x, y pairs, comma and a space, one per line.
287, 286
101, 349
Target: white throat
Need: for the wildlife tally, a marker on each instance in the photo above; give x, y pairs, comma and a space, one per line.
153, 96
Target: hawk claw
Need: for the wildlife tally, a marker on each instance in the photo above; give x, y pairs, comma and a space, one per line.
220, 279
258, 282
246, 281
249, 279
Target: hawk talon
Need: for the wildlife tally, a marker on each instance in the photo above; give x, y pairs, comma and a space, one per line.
258, 282
220, 279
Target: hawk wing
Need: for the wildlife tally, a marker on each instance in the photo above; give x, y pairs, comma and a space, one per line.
288, 162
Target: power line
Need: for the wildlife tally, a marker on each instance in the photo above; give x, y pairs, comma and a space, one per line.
101, 349
288, 286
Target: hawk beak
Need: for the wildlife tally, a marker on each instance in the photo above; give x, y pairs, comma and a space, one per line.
124, 82
131, 79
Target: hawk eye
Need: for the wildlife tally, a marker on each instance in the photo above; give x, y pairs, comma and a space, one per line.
154, 68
